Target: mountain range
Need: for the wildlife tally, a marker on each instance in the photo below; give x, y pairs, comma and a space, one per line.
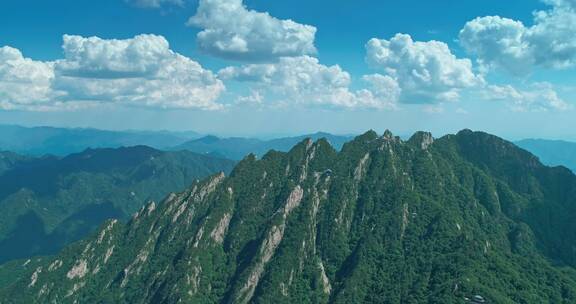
552, 152
383, 220
38, 141
48, 202
238, 147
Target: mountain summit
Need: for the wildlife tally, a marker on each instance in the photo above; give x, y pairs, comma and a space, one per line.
466, 216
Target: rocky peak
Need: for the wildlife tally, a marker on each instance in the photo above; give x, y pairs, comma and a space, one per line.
422, 140
388, 135
367, 136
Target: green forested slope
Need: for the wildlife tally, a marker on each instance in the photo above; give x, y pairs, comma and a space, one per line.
382, 221
48, 202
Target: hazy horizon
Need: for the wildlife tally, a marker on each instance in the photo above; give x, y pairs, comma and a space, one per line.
269, 136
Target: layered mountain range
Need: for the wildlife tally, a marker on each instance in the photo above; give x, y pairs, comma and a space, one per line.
238, 147
552, 152
49, 202
38, 141
449, 220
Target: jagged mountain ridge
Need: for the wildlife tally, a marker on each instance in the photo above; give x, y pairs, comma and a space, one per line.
48, 202
238, 147
382, 221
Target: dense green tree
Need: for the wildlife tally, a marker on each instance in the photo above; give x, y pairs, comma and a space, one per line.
382, 221
49, 202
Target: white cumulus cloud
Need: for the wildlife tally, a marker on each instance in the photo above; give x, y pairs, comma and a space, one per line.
232, 31
303, 80
141, 71
93, 57
427, 72
24, 82
538, 97
510, 45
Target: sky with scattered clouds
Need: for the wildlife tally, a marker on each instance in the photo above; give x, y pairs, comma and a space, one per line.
264, 68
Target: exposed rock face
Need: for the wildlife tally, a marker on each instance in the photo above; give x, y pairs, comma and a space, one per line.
269, 246
293, 201
326, 287
34, 277
55, 265
427, 140
422, 140
382, 221
405, 219
266, 251
361, 169
218, 232
108, 254
78, 271
106, 230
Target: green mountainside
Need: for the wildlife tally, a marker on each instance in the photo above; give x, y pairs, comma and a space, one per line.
381, 221
49, 202
239, 147
552, 152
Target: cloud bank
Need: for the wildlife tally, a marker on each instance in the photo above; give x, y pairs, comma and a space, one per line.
539, 97
303, 80
141, 71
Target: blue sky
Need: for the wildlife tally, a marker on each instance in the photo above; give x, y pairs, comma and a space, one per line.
233, 70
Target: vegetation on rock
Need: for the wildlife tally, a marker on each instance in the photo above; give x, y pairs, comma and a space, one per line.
49, 202
381, 221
